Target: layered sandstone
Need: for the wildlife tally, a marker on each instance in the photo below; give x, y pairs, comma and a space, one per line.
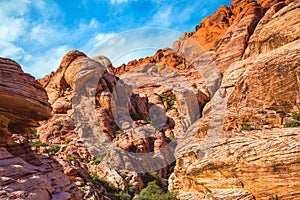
242, 165
22, 106
24, 174
259, 91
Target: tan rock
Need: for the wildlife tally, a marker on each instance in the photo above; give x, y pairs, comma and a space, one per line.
259, 163
279, 26
262, 90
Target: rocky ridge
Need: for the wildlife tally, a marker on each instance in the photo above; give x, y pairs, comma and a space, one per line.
237, 86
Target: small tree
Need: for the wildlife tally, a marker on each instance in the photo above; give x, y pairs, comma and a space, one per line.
154, 192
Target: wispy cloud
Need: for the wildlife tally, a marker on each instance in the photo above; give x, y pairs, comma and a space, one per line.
100, 38
49, 61
134, 44
37, 42
118, 1
163, 17
9, 50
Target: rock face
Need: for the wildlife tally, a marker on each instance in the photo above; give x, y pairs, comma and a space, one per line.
242, 165
162, 57
227, 32
278, 27
124, 115
218, 103
267, 88
24, 174
21, 106
260, 89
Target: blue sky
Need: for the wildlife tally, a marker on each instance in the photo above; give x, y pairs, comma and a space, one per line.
37, 33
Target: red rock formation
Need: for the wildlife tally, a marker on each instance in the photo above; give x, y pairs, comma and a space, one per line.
256, 48
24, 174
162, 57
278, 27
21, 106
259, 90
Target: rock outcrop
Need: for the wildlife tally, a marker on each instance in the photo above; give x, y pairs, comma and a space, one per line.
279, 26
219, 103
259, 91
24, 174
22, 106
266, 88
242, 165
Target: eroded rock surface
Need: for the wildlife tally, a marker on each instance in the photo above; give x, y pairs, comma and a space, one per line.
259, 91
242, 165
24, 174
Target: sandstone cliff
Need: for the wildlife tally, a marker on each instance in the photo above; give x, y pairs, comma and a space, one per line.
258, 57
219, 103
24, 174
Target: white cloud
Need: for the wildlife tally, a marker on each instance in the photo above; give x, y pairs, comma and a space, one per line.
14, 8
204, 12
12, 23
11, 28
163, 17
135, 44
91, 25
41, 33
46, 62
9, 50
100, 38
118, 1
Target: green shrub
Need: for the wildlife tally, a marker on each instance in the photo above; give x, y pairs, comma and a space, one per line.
172, 137
171, 102
123, 174
131, 189
81, 184
154, 192
292, 124
67, 141
35, 135
84, 160
97, 160
246, 127
54, 149
181, 117
296, 116
37, 144
122, 196
118, 132
99, 182
70, 159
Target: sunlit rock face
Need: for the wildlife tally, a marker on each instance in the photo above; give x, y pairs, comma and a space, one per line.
259, 59
215, 104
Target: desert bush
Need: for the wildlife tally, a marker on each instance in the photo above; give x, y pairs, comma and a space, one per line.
292, 124
296, 116
154, 192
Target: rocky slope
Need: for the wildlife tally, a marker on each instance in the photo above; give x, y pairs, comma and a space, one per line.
117, 116
217, 104
24, 174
